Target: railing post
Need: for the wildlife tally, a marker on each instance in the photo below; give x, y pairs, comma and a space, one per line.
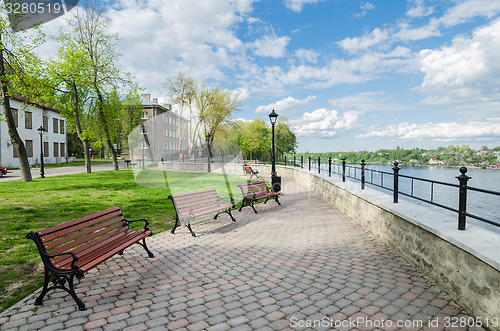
309, 162
462, 198
396, 182
319, 164
285, 160
302, 162
363, 174
330, 166
343, 169
294, 164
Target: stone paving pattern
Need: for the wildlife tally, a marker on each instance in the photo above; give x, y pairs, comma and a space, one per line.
302, 262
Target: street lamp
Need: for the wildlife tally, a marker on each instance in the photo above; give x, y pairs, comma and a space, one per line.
208, 136
275, 180
41, 130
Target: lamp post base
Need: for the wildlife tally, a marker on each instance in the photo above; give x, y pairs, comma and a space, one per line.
276, 183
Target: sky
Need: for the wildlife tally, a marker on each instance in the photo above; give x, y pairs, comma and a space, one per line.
346, 74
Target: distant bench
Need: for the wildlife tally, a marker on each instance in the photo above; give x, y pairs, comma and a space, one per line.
250, 171
254, 191
191, 205
70, 249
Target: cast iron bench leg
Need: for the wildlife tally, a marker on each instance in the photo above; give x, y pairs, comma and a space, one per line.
190, 230
143, 244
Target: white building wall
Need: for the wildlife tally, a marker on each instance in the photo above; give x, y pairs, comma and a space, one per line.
6, 148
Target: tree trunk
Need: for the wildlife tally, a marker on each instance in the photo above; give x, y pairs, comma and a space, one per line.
76, 111
14, 135
106, 129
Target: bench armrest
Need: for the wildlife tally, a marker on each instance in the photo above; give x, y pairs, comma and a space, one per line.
146, 223
73, 266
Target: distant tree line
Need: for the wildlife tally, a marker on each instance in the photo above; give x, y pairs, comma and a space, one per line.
449, 156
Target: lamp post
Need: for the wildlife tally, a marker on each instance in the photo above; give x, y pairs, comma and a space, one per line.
208, 136
275, 180
41, 130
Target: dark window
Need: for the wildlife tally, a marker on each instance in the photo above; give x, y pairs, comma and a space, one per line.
63, 150
29, 148
46, 123
45, 149
55, 124
61, 128
15, 152
15, 115
56, 149
28, 120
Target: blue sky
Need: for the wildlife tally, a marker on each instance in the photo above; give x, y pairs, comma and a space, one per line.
347, 74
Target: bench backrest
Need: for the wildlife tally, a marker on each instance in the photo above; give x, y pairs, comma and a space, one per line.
248, 169
253, 188
185, 202
72, 235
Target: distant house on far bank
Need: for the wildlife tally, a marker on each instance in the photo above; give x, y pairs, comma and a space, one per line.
28, 119
436, 161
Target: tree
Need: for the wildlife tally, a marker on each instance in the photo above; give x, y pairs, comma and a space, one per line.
216, 109
88, 33
182, 90
17, 64
286, 141
68, 75
254, 139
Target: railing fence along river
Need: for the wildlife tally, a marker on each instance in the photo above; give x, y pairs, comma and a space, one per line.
466, 201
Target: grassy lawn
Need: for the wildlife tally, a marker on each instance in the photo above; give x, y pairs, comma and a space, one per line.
42, 203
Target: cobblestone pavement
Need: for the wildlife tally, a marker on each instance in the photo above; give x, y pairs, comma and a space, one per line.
301, 265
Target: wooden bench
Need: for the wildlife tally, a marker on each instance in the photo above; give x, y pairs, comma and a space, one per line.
70, 249
255, 191
249, 171
191, 205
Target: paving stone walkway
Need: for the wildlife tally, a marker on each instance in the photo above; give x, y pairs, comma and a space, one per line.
302, 265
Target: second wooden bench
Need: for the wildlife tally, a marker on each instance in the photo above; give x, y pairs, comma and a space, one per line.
191, 205
254, 191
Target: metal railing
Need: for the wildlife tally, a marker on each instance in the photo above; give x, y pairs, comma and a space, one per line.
391, 181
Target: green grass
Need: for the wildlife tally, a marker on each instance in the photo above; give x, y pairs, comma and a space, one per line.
42, 203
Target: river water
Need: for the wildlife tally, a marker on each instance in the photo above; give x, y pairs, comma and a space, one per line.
478, 203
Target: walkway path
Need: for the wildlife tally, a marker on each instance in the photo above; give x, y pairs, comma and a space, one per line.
287, 267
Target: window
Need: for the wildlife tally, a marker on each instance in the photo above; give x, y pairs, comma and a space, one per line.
55, 124
45, 149
145, 115
15, 152
63, 150
15, 115
46, 123
61, 127
28, 120
29, 148
56, 149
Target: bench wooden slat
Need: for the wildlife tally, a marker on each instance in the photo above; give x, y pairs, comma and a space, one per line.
196, 204
86, 234
61, 226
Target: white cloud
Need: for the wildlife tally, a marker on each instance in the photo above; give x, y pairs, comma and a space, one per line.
306, 55
369, 101
436, 131
365, 7
285, 104
356, 44
297, 5
271, 46
466, 71
466, 10
419, 9
325, 123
